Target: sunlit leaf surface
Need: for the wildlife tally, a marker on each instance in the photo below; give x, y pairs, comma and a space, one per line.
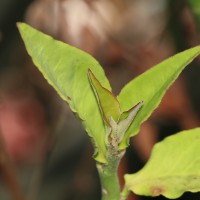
150, 87
66, 69
173, 168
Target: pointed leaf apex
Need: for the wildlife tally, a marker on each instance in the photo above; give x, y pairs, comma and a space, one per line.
65, 68
151, 87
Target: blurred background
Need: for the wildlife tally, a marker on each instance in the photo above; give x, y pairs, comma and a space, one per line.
44, 152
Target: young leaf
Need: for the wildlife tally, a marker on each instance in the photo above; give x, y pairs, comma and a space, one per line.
173, 168
66, 68
108, 103
127, 118
150, 87
118, 130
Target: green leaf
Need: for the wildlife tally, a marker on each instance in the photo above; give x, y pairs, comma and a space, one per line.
150, 87
173, 168
126, 119
118, 130
108, 103
66, 68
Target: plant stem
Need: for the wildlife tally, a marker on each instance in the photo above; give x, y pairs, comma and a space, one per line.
108, 174
124, 193
109, 179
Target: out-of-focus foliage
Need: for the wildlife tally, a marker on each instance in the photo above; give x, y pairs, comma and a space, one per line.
195, 7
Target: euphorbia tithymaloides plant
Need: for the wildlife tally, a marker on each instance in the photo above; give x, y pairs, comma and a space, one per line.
110, 121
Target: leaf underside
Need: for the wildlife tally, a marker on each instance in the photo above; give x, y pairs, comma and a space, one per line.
173, 168
150, 87
66, 68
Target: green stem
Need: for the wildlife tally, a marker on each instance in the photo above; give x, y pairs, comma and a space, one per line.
124, 194
108, 174
109, 179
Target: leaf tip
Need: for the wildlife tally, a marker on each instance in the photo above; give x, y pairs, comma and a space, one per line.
20, 25
90, 74
89, 71
140, 104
